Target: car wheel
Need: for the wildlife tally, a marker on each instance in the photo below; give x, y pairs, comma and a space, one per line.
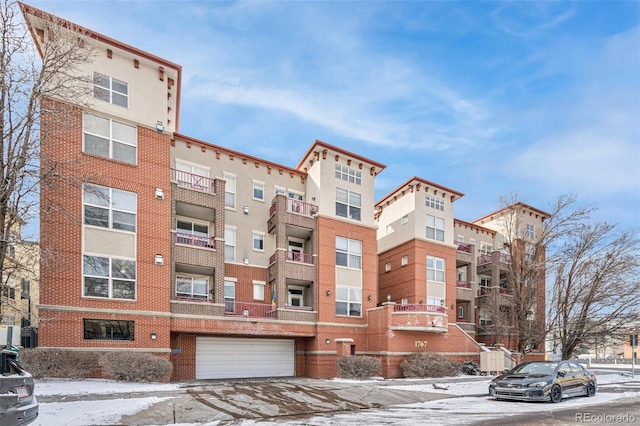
591, 389
556, 394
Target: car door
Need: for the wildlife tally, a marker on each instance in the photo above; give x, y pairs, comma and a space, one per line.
580, 378
565, 378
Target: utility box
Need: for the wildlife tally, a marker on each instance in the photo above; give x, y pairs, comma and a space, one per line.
492, 361
4, 334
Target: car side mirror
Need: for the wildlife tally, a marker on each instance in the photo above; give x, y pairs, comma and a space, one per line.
560, 373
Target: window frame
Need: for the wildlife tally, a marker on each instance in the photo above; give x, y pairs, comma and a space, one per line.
230, 193
129, 325
261, 188
438, 233
434, 202
110, 139
111, 211
530, 230
110, 90
348, 302
350, 209
348, 174
110, 278
232, 244
353, 257
192, 294
229, 301
261, 238
434, 272
258, 285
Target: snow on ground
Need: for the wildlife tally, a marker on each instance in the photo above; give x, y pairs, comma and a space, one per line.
471, 403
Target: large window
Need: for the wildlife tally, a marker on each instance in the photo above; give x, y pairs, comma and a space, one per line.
434, 202
110, 90
109, 278
348, 204
348, 253
348, 174
192, 233
109, 138
348, 301
109, 208
485, 248
435, 269
229, 244
435, 228
192, 287
230, 191
108, 329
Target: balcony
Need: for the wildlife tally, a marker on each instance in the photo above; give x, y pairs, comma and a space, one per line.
196, 241
427, 318
250, 310
464, 254
463, 247
287, 211
193, 181
464, 291
293, 256
486, 259
463, 284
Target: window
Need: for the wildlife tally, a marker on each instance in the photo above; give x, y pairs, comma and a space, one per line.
278, 190
296, 296
8, 320
229, 244
348, 253
349, 301
25, 289
404, 301
387, 266
192, 233
108, 329
435, 269
230, 191
348, 174
258, 290
110, 90
110, 139
485, 282
404, 260
435, 228
9, 292
460, 311
434, 202
529, 252
192, 287
229, 296
258, 241
109, 208
529, 231
348, 204
109, 278
258, 191
405, 219
485, 248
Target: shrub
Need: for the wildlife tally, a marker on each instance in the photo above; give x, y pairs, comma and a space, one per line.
49, 363
136, 367
427, 364
358, 367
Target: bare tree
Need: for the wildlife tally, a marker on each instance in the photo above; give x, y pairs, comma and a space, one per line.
525, 254
33, 78
597, 284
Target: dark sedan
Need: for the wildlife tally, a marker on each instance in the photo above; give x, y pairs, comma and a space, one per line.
544, 381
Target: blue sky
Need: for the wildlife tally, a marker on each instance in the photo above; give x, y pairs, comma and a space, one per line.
487, 98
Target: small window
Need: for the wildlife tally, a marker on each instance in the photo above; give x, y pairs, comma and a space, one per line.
110, 90
404, 261
460, 311
258, 241
405, 219
530, 231
404, 301
348, 174
434, 202
230, 191
258, 290
387, 266
258, 191
100, 329
229, 244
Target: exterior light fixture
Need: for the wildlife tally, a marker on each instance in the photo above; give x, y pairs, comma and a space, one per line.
246, 209
154, 336
328, 292
159, 259
246, 260
388, 297
369, 297
159, 127
159, 194
328, 341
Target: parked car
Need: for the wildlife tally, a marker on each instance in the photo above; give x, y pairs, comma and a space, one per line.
544, 381
18, 404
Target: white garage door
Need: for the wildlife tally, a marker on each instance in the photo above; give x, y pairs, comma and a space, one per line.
227, 358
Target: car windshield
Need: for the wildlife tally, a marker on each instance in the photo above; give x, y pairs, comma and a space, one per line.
536, 368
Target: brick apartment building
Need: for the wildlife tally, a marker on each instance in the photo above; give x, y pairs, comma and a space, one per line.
230, 265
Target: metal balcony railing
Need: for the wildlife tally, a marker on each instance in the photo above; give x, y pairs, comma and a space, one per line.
193, 181
486, 258
296, 206
294, 256
419, 308
463, 284
250, 310
466, 248
195, 240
